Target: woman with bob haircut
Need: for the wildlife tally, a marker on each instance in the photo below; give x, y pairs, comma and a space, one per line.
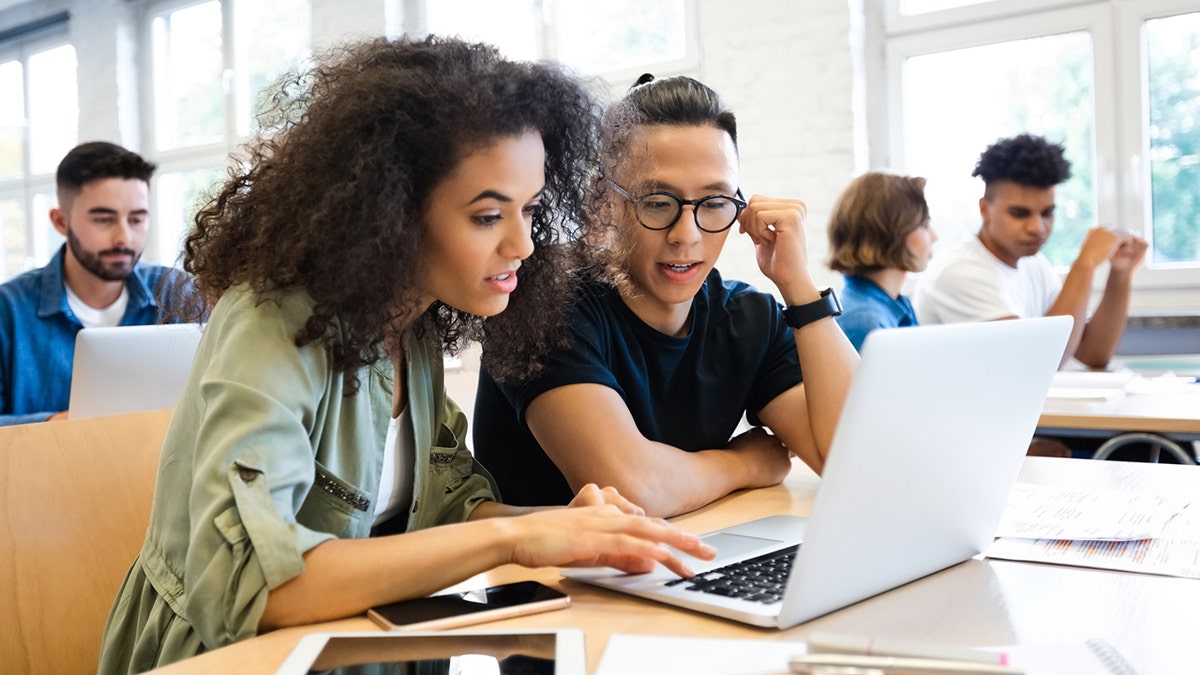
314, 466
878, 233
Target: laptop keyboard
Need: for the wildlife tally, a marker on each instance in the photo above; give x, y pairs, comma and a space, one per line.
762, 579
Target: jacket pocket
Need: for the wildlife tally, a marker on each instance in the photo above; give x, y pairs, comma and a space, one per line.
335, 506
450, 460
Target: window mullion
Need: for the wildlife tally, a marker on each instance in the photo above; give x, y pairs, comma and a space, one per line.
230, 62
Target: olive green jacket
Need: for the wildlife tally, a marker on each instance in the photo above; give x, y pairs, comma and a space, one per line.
265, 458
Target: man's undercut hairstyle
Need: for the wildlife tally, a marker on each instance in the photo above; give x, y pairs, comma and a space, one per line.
1025, 160
680, 102
871, 221
97, 160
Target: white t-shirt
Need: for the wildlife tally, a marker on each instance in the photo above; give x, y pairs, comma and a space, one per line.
396, 479
970, 284
91, 317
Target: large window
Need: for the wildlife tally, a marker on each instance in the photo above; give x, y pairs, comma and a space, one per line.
209, 61
1116, 81
39, 121
617, 39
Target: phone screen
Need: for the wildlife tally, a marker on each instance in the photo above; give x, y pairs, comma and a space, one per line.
491, 599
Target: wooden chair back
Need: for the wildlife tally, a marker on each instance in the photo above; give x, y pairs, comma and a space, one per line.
74, 504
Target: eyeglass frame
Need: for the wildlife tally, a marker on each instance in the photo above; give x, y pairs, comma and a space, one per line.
739, 203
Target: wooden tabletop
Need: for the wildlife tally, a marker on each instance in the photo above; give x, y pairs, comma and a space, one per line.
1150, 619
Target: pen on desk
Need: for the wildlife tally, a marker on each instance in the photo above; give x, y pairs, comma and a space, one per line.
855, 644
818, 663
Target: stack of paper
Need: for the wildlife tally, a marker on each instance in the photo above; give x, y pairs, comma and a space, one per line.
1090, 385
1126, 531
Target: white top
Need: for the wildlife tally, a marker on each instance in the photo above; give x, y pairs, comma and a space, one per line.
399, 457
969, 283
91, 317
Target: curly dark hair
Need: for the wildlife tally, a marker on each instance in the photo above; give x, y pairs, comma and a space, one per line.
332, 198
1026, 160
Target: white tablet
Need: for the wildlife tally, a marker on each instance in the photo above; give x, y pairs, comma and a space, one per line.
557, 651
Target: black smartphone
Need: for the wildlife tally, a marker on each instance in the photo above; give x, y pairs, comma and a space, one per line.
463, 609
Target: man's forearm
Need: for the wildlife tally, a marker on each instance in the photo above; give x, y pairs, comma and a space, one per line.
1103, 332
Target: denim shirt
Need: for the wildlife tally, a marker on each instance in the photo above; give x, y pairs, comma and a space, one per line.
866, 307
37, 335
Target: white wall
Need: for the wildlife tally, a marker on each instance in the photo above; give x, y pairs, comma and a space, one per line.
785, 70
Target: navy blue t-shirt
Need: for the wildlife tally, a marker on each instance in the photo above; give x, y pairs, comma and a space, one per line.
689, 392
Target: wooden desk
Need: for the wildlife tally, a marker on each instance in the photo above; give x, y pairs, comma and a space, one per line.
1172, 418
1177, 414
1152, 620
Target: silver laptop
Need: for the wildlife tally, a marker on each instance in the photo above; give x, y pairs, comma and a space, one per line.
130, 368
928, 446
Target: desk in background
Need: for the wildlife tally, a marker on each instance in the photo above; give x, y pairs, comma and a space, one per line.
1174, 416
1152, 620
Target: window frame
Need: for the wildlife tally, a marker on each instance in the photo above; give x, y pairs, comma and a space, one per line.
1122, 180
27, 188
547, 40
215, 155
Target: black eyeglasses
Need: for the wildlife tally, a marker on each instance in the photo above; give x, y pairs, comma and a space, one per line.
661, 210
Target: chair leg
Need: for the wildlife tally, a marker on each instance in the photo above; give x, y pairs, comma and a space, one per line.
1156, 442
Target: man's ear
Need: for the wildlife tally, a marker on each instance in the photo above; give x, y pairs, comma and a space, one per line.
983, 209
58, 218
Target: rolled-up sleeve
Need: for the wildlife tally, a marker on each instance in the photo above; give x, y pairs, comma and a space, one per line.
258, 395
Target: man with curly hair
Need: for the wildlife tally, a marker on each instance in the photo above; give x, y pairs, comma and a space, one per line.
95, 279
1002, 274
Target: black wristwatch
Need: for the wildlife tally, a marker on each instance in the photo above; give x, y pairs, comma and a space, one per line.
799, 316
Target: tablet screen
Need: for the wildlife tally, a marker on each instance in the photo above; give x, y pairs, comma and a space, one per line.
449, 653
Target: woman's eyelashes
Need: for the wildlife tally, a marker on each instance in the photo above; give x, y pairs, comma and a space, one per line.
493, 217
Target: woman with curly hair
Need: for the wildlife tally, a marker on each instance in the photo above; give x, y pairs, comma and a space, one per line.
314, 466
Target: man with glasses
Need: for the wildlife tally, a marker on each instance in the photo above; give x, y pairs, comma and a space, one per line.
664, 363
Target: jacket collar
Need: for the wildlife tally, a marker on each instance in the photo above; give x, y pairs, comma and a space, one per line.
53, 297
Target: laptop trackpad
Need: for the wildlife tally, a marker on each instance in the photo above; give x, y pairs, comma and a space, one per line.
735, 545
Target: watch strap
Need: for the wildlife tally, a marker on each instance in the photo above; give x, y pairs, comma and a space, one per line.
799, 316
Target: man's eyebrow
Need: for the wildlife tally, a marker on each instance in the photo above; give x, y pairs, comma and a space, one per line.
712, 188
102, 210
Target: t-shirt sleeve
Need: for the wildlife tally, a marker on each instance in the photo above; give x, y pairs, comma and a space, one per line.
965, 292
780, 370
584, 361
